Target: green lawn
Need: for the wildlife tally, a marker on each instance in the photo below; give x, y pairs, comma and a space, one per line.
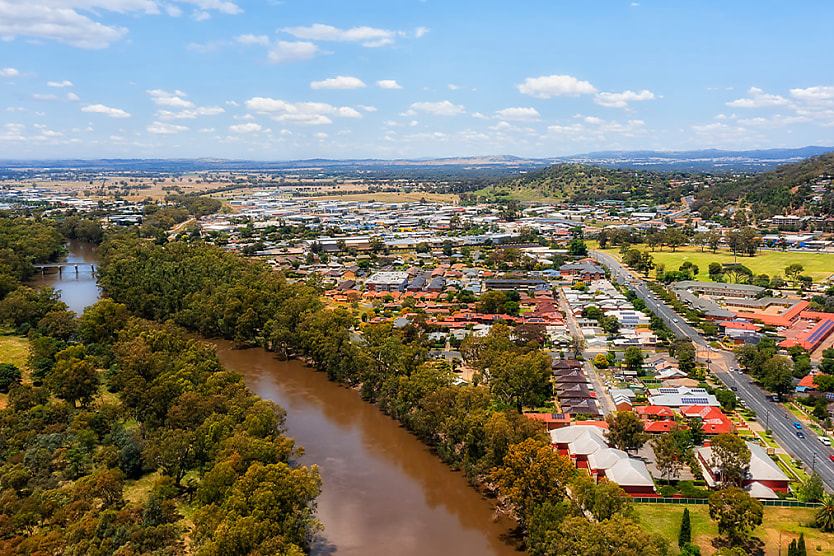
665, 520
14, 350
817, 265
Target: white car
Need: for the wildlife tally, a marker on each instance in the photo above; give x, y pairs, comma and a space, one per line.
825, 440
675, 321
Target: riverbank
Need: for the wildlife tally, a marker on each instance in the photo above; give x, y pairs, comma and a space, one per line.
385, 492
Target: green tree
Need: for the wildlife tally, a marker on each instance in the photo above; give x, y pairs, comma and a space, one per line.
532, 474
625, 430
618, 535
577, 248
633, 358
9, 374
675, 238
778, 375
667, 455
730, 457
602, 501
685, 534
600, 361
736, 513
793, 270
812, 489
825, 514
521, 380
73, 378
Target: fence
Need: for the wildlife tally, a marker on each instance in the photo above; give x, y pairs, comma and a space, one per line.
704, 501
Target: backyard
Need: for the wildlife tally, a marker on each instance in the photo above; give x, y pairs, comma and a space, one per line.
779, 523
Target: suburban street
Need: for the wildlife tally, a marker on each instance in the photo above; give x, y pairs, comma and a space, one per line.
606, 404
770, 415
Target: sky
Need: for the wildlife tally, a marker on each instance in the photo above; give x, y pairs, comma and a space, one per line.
296, 79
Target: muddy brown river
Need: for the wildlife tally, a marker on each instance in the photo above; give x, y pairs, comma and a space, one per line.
383, 492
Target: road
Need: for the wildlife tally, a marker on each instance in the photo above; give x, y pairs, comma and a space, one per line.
606, 405
771, 415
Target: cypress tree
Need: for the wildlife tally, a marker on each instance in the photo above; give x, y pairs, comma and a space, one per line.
685, 535
792, 548
800, 546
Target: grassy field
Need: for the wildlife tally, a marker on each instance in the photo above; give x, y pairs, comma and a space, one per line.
787, 522
817, 265
14, 350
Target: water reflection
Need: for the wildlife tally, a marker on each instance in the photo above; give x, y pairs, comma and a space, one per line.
78, 289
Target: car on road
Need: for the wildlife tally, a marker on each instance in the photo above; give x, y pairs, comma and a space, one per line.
734, 388
831, 458
675, 320
825, 440
800, 434
798, 426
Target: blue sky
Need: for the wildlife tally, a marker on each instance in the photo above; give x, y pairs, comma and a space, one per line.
277, 80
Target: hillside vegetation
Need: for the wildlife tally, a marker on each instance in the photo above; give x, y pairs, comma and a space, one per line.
784, 190
579, 183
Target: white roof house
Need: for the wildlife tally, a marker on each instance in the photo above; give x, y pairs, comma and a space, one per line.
605, 459
630, 472
681, 396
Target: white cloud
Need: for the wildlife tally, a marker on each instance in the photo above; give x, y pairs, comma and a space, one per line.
366, 108
200, 15
368, 36
106, 110
261, 40
339, 82
320, 135
441, 108
304, 113
814, 94
45, 98
759, 99
555, 85
60, 83
173, 11
222, 6
420, 31
72, 97
621, 100
245, 128
189, 113
9, 72
518, 114
283, 52
592, 128
388, 84
164, 98
453, 87
58, 20
163, 128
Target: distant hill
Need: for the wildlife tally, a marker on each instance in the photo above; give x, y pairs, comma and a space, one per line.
785, 189
709, 160
582, 183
